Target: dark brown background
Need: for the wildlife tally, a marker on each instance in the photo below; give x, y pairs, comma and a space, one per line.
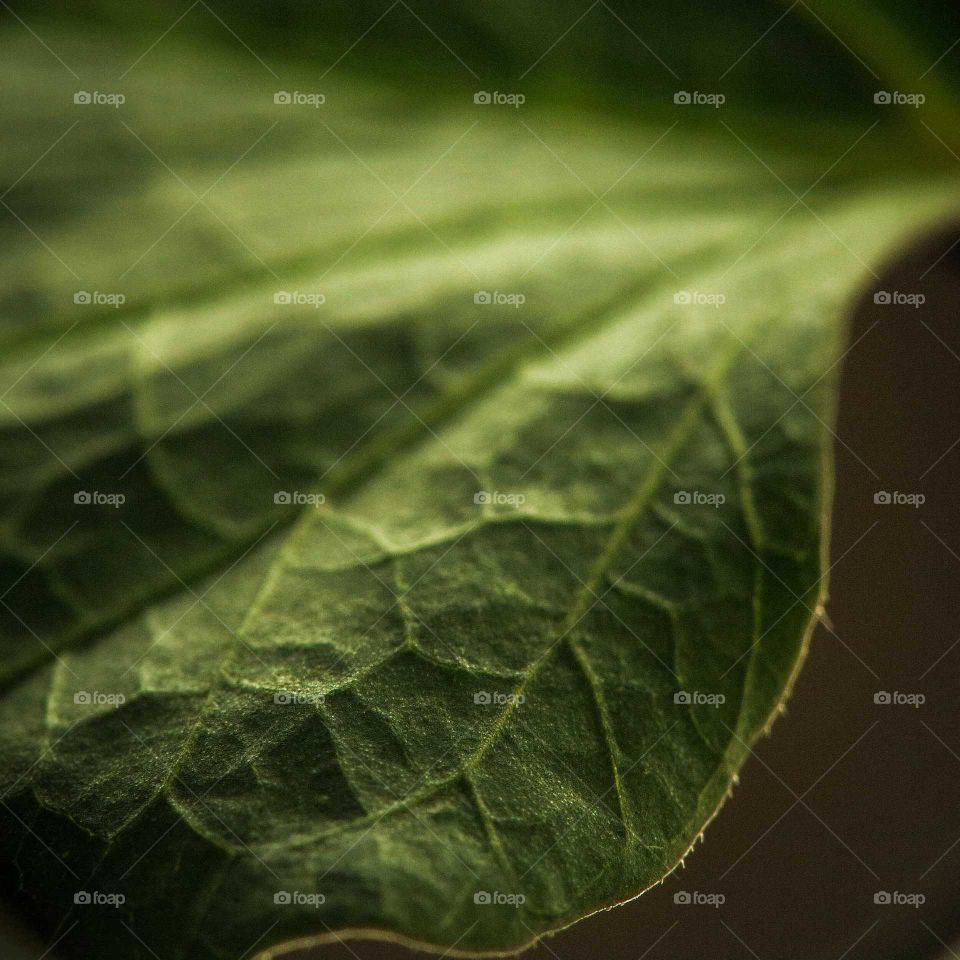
847, 797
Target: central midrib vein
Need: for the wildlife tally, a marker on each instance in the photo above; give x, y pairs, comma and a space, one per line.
360, 467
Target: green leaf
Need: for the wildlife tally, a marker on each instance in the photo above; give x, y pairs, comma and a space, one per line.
554, 391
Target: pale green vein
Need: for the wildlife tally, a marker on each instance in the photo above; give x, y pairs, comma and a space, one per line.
687, 422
